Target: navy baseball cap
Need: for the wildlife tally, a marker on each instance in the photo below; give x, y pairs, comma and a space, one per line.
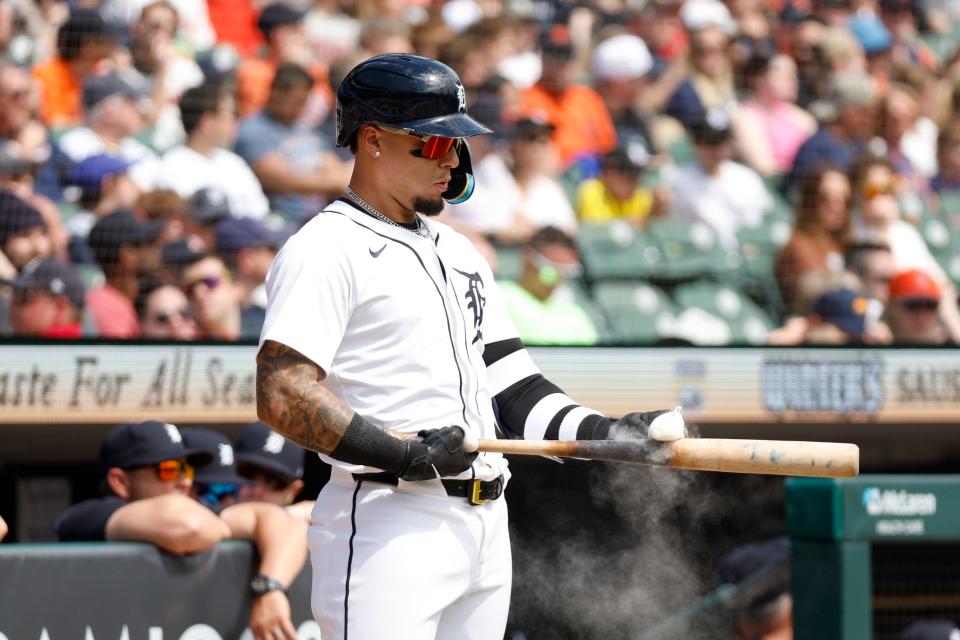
52, 276
221, 467
88, 174
931, 630
209, 206
234, 234
848, 310
122, 228
261, 446
16, 216
278, 14
140, 444
96, 89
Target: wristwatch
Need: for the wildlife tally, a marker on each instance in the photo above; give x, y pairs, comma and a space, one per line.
262, 584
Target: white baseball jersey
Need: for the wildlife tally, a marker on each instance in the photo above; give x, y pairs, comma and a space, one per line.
412, 334
397, 321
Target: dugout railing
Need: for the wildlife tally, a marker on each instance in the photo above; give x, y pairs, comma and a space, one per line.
872, 554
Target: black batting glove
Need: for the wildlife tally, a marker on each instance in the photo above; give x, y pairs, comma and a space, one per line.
439, 451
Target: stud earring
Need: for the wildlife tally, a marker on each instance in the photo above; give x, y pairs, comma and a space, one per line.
376, 155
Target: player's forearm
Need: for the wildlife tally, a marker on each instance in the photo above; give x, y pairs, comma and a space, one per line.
291, 399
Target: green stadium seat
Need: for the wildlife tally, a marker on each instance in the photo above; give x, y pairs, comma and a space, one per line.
616, 251
580, 293
638, 312
748, 323
689, 250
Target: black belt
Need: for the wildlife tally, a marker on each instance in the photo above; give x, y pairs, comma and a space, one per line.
476, 492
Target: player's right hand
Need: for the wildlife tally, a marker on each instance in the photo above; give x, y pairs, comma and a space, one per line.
438, 452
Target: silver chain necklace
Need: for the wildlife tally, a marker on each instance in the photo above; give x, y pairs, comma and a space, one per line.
421, 229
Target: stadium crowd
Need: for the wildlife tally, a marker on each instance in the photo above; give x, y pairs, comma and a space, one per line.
757, 171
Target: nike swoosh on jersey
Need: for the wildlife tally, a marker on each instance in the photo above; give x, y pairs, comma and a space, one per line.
376, 254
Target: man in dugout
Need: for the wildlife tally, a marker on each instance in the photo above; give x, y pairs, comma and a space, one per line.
148, 471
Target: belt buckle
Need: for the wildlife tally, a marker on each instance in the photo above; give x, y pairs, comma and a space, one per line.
474, 497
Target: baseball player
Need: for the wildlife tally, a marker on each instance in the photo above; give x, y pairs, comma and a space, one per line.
385, 342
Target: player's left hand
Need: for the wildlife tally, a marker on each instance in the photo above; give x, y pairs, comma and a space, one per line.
270, 617
663, 425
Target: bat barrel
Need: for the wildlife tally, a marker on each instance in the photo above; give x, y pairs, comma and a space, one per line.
774, 457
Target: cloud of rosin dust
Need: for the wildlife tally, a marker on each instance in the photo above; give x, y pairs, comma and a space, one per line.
640, 553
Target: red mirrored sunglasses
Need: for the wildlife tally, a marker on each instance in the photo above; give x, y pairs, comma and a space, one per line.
434, 147
169, 470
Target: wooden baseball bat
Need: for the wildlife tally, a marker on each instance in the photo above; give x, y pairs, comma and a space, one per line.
771, 457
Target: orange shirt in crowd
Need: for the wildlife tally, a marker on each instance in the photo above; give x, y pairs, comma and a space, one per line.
254, 76
583, 124
60, 94
235, 23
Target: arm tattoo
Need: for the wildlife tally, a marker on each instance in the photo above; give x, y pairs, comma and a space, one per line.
291, 400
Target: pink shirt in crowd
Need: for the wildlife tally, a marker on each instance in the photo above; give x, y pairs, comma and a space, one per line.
113, 315
784, 131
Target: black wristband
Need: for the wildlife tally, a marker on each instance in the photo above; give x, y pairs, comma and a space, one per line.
363, 443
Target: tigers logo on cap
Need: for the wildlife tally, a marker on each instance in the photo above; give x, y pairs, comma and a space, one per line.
274, 443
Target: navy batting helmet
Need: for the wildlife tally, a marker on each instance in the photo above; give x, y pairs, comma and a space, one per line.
414, 93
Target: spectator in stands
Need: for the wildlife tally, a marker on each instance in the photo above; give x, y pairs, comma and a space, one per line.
19, 104
4, 529
121, 244
873, 264
207, 208
821, 232
163, 68
18, 175
932, 629
875, 217
847, 122
274, 468
617, 193
148, 474
947, 179
47, 300
216, 484
709, 85
248, 248
84, 41
913, 312
164, 205
583, 128
723, 194
620, 66
541, 309
542, 201
911, 137
286, 41
112, 105
844, 316
292, 161
768, 615
23, 232
214, 298
210, 122
164, 312
769, 128
105, 186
